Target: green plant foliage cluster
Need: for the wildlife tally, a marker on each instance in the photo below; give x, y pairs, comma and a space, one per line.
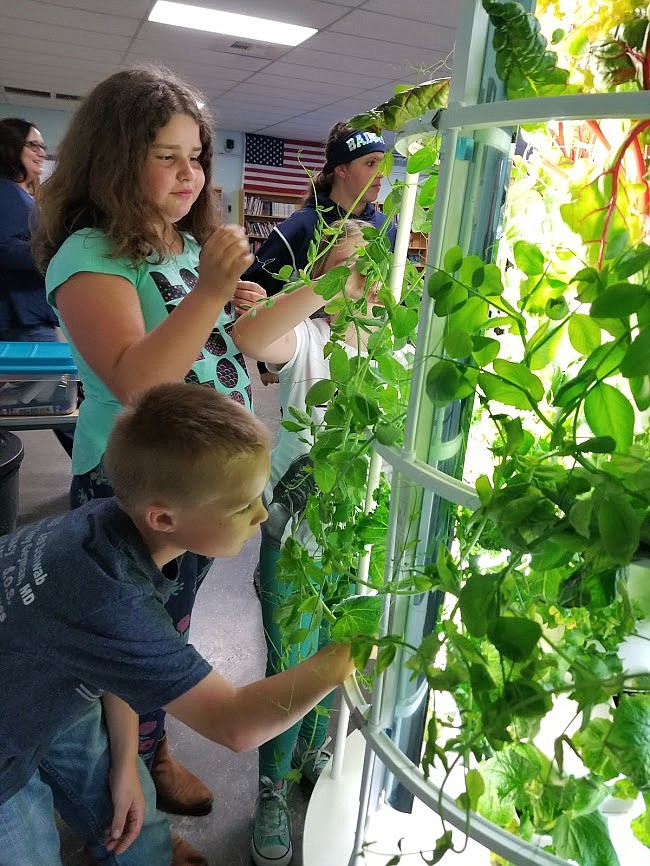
569, 498
554, 341
366, 396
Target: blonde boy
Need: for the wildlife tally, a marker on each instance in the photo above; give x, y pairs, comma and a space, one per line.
82, 615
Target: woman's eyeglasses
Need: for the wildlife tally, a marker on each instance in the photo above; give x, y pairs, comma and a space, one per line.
36, 146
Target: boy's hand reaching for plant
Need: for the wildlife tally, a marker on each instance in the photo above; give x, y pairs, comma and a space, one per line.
224, 257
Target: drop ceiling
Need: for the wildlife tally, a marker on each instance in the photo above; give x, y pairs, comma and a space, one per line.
62, 48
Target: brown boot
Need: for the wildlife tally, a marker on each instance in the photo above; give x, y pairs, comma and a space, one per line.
184, 854
178, 791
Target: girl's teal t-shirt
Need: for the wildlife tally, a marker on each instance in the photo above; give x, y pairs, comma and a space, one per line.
160, 288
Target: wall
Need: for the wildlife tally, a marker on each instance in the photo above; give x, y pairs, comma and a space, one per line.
51, 122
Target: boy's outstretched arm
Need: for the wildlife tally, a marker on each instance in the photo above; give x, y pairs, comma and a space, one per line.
124, 780
244, 717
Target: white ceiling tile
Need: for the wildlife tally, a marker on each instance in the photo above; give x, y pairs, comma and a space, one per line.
406, 57
328, 75
66, 16
432, 11
302, 86
45, 49
391, 28
203, 56
350, 64
253, 101
28, 30
125, 8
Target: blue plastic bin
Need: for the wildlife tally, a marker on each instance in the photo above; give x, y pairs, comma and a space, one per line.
37, 379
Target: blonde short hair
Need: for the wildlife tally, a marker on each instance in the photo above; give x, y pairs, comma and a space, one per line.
348, 230
180, 444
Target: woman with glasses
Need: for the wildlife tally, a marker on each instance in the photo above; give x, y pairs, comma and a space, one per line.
25, 315
24, 312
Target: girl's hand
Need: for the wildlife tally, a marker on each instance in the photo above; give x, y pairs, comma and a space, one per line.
128, 808
224, 257
247, 295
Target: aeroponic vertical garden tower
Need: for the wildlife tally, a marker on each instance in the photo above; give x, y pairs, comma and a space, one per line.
510, 711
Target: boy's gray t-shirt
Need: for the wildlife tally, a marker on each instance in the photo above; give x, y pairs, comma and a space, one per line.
81, 612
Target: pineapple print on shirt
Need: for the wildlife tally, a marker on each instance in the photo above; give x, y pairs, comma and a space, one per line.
220, 364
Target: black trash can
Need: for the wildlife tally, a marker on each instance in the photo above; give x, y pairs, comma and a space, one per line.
11, 456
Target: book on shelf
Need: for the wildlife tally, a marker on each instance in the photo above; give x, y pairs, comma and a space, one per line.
254, 205
258, 229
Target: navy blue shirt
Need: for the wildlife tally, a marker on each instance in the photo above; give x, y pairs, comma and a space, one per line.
22, 287
81, 612
288, 243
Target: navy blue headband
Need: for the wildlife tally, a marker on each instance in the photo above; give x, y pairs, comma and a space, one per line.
353, 146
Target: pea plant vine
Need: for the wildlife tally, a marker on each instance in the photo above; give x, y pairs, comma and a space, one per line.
552, 342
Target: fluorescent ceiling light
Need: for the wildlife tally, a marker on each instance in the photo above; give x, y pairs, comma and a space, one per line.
228, 23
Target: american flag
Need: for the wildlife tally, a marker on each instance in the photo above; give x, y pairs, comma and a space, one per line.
278, 164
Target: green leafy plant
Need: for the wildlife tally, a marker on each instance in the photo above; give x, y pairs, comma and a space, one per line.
551, 338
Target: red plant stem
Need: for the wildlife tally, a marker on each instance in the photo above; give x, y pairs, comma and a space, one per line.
594, 126
631, 137
639, 163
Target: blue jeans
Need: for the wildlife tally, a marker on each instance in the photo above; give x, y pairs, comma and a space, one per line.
30, 334
275, 755
73, 779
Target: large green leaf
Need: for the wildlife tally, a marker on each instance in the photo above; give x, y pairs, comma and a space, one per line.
528, 258
446, 383
411, 102
641, 825
339, 365
628, 742
332, 283
357, 615
584, 839
519, 374
621, 299
610, 413
479, 603
637, 358
514, 636
618, 526
495, 388
403, 321
320, 392
584, 334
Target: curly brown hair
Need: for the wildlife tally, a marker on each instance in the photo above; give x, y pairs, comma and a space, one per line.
98, 179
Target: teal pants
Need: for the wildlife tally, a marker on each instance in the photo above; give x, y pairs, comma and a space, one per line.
275, 756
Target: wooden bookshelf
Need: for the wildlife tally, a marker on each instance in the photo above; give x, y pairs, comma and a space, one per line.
417, 249
262, 211
218, 195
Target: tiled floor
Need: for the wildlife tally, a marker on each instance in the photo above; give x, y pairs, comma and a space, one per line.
226, 629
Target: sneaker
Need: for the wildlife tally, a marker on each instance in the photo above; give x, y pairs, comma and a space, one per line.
310, 761
271, 842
